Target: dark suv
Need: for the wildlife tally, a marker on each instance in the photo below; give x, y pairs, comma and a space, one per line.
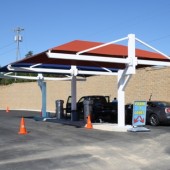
102, 109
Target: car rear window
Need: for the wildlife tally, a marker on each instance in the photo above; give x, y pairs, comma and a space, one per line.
164, 104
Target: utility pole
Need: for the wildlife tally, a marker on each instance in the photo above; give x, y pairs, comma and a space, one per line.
18, 38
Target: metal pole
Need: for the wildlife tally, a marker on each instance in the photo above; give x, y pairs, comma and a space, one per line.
73, 93
121, 99
18, 39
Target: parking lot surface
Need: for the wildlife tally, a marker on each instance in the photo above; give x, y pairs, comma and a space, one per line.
57, 146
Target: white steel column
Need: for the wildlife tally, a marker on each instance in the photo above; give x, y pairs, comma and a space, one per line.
123, 78
131, 66
42, 86
73, 93
121, 99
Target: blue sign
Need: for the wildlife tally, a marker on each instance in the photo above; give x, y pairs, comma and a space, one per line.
139, 113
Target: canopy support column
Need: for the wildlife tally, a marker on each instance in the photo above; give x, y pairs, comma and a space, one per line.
124, 77
42, 86
121, 99
122, 83
73, 94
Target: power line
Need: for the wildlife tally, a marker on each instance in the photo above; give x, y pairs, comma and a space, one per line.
6, 52
8, 45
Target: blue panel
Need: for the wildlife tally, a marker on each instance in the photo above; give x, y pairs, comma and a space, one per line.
57, 66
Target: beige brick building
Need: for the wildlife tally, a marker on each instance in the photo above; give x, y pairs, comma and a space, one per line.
145, 82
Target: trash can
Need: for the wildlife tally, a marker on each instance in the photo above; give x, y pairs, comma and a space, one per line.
59, 109
88, 108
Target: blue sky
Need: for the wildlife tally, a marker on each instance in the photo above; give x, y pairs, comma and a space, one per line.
50, 23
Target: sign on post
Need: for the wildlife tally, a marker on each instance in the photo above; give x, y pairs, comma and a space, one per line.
139, 113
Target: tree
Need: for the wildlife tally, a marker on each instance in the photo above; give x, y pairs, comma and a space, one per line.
29, 54
4, 81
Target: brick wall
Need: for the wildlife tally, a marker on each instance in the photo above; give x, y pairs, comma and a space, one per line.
141, 85
149, 81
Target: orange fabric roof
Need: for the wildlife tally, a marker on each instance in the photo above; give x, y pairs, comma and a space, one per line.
109, 50
73, 47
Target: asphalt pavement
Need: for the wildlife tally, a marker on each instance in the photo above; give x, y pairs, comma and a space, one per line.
60, 146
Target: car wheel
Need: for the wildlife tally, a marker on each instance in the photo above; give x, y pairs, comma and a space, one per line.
154, 120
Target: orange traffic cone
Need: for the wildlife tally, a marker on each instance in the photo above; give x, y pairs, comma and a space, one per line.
7, 109
23, 130
89, 124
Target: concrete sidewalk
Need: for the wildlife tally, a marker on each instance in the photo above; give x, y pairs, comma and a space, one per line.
99, 126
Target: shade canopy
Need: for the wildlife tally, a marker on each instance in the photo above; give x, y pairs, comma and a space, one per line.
111, 51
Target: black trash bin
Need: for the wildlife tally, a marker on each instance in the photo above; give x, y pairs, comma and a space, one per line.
88, 108
59, 109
